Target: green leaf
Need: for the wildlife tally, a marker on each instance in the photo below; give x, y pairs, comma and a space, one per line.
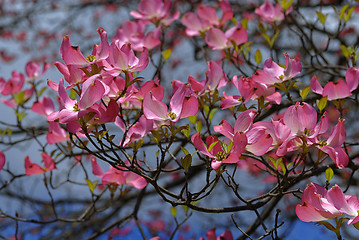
194, 153
19, 97
234, 21
192, 119
73, 94
186, 161
258, 56
229, 147
329, 173
110, 138
92, 185
285, 4
199, 126
278, 162
215, 96
281, 86
102, 133
267, 38
211, 114
139, 143
340, 221
356, 225
289, 164
345, 51
322, 17
186, 131
184, 150
166, 53
174, 211
262, 29
284, 170
244, 22
348, 15
304, 92
20, 115
88, 116
342, 11
326, 224
212, 146
39, 93
206, 109
274, 162
157, 136
245, 48
272, 41
322, 103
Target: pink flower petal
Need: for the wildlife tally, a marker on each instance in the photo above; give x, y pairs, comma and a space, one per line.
336, 91
2, 160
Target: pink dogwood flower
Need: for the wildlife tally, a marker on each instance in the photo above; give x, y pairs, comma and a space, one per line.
182, 105
118, 176
269, 12
258, 140
123, 59
194, 25
56, 133
242, 125
217, 151
32, 70
134, 33
25, 96
101, 51
301, 119
33, 168
348, 204
215, 79
138, 131
320, 204
207, 18
73, 56
2, 160
92, 91
273, 73
14, 85
333, 145
69, 110
339, 90
218, 40
315, 205
156, 11
211, 235
44, 106
73, 74
250, 89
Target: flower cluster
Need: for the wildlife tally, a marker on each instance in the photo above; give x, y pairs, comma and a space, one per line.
320, 204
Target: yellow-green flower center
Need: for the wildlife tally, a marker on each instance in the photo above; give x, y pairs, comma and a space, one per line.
91, 58
172, 115
220, 156
76, 108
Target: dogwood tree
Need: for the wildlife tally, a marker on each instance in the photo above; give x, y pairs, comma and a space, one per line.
185, 117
